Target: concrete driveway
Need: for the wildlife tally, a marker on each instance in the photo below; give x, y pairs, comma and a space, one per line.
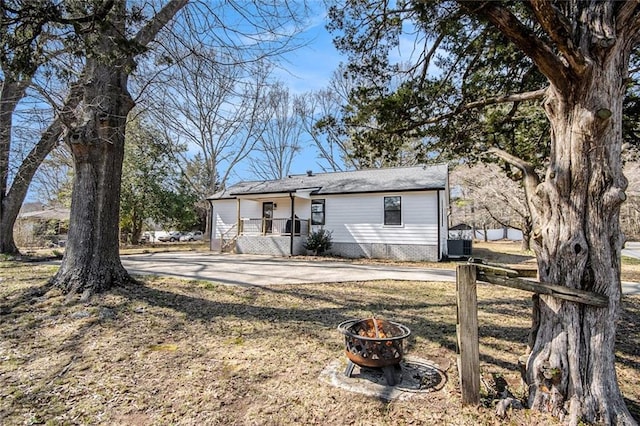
256, 270
632, 249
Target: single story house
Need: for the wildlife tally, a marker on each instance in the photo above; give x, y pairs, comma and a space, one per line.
43, 227
395, 213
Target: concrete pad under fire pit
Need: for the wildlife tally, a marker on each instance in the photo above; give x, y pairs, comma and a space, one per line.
416, 376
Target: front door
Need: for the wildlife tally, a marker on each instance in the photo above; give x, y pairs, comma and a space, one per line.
267, 216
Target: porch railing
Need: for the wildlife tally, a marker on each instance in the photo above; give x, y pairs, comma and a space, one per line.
280, 226
228, 238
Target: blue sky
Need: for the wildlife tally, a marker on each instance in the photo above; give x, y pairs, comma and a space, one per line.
308, 68
311, 66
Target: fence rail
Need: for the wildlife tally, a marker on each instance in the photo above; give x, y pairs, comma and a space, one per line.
467, 321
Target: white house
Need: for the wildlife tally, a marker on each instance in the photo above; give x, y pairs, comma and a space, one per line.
396, 213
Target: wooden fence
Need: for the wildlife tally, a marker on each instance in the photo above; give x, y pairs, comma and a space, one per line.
467, 322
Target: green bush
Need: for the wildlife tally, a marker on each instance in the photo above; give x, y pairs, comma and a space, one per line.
318, 241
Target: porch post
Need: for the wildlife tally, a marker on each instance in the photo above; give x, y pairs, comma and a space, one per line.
293, 223
211, 229
238, 218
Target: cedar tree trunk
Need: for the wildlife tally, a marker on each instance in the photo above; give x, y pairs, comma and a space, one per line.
571, 369
577, 239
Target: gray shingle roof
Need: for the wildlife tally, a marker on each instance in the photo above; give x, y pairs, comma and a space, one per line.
359, 181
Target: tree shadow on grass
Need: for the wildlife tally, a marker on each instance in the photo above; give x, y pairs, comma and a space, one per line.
203, 309
23, 298
321, 311
314, 311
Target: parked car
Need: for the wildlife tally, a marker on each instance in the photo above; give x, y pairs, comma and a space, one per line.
170, 236
192, 236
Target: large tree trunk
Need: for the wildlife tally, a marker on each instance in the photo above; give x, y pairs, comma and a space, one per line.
11, 93
571, 369
91, 262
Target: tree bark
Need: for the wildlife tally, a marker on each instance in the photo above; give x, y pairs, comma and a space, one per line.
526, 234
91, 262
571, 369
577, 239
12, 92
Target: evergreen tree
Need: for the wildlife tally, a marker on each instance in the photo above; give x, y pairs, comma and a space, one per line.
571, 57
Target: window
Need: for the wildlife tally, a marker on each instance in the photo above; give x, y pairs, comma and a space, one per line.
392, 211
317, 212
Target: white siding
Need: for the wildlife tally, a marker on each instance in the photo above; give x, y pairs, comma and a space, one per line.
359, 218
225, 214
250, 209
303, 208
444, 222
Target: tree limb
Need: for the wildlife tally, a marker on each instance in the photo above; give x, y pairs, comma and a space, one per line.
429, 55
530, 183
153, 27
555, 24
530, 179
525, 39
516, 97
39, 152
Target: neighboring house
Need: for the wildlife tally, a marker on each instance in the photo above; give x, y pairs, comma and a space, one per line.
398, 213
42, 227
461, 231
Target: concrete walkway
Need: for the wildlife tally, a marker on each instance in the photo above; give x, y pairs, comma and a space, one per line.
256, 270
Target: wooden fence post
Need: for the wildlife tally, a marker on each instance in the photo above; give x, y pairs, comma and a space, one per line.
467, 334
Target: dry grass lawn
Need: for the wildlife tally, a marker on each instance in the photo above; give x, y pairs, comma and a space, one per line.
194, 353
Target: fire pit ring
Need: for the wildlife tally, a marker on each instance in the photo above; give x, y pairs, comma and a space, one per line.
374, 343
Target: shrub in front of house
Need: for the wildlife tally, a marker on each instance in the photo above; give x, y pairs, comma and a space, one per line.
318, 241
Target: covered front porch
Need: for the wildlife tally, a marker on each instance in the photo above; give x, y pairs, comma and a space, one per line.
276, 224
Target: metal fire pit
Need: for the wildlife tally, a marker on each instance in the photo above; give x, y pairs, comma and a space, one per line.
374, 343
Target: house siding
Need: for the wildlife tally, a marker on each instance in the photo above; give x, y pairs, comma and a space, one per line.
358, 230
356, 222
354, 212
360, 219
224, 214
